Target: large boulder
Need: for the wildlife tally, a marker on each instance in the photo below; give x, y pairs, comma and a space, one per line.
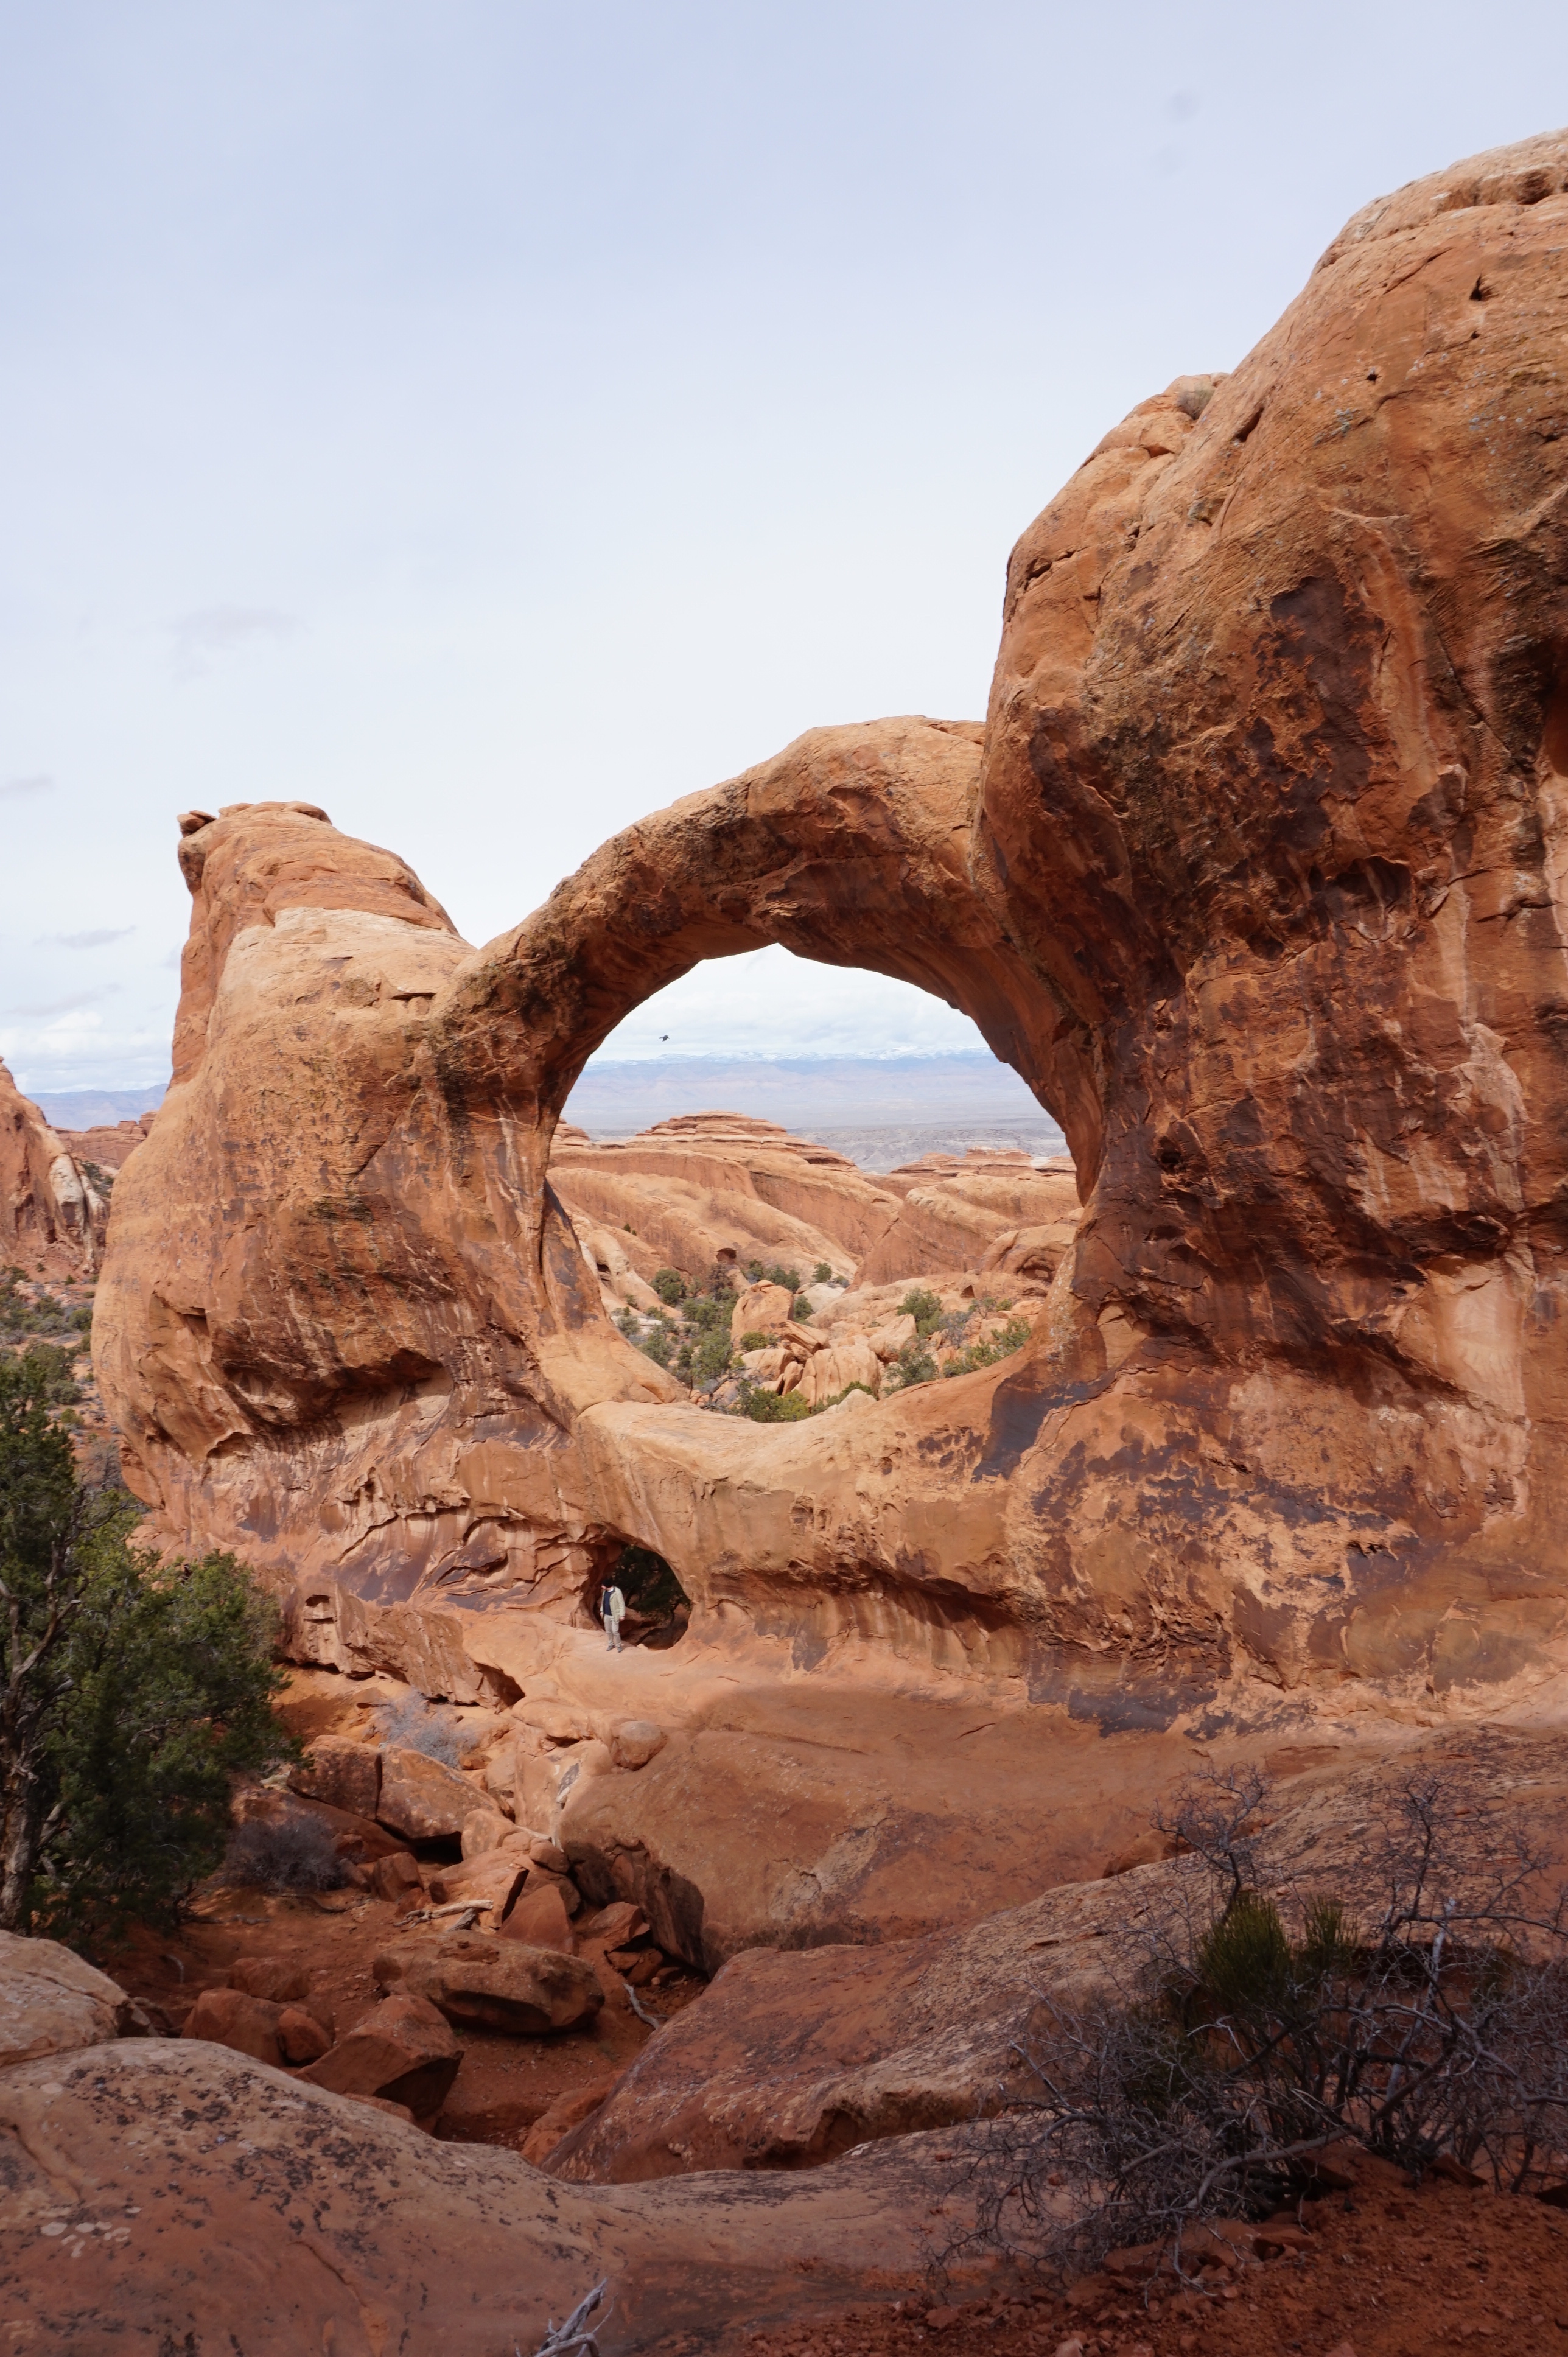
494, 1984
161, 2194
345, 1774
50, 2000
402, 2051
422, 1798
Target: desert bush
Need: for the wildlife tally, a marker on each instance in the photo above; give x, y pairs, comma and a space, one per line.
707, 1313
711, 1357
293, 1852
764, 1407
658, 1342
923, 1307
913, 1365
1231, 2050
671, 1287
1001, 1344
790, 1279
757, 1341
821, 1273
416, 1724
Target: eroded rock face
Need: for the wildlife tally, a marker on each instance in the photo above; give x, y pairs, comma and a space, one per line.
52, 1218
1255, 873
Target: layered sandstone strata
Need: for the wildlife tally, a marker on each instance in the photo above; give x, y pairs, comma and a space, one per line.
1255, 873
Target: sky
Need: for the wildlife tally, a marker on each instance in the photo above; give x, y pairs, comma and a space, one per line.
491, 420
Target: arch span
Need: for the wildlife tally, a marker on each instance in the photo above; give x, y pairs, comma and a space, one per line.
1256, 875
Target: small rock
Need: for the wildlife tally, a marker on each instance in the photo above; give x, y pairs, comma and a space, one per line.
540, 1878
632, 1743
485, 1830
276, 1977
492, 1879
301, 2038
391, 1877
227, 2017
495, 1984
539, 1920
561, 1722
544, 1853
559, 2118
616, 1925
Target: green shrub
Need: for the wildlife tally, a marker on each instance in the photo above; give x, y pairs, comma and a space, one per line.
758, 1342
821, 1273
671, 1287
764, 1407
923, 1307
659, 1345
711, 1357
135, 1692
790, 1279
708, 1315
756, 1271
53, 1367
913, 1365
1010, 1337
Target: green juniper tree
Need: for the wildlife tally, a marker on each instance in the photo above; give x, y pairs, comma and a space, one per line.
131, 1692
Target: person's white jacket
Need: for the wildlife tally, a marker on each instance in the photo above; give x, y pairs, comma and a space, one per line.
613, 1605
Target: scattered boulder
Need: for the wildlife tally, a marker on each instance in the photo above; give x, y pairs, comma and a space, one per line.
394, 1876
761, 1310
420, 1798
617, 1925
484, 1831
558, 2119
301, 2038
51, 2001
402, 2051
632, 1743
279, 1978
344, 1774
228, 2016
494, 1984
539, 1920
559, 1722
491, 1880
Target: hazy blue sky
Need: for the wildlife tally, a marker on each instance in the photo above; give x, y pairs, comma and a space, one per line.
491, 420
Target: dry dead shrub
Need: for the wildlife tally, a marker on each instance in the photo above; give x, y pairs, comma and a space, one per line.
1423, 2016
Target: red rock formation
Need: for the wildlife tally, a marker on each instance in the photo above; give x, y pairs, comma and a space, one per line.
110, 1146
711, 1183
51, 1217
1255, 874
